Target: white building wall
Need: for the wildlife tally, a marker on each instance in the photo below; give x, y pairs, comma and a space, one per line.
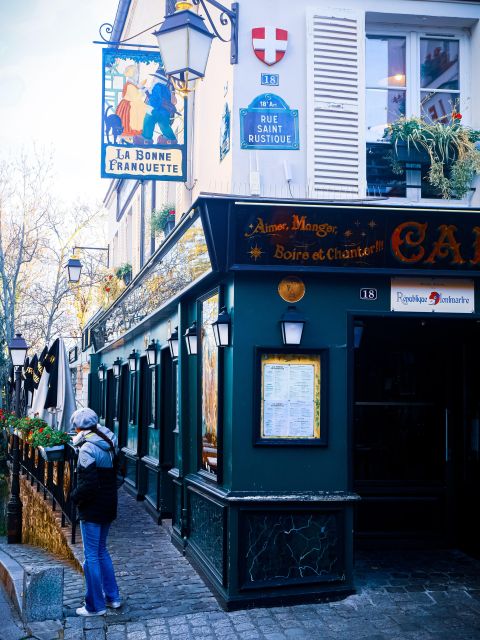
300, 78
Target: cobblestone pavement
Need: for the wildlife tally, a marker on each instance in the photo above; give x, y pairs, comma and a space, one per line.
432, 595
10, 625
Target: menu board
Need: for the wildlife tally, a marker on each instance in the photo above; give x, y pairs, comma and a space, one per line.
290, 402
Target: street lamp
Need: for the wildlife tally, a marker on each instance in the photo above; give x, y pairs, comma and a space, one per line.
18, 351
292, 323
102, 372
185, 41
74, 268
132, 361
152, 354
221, 328
190, 336
74, 265
117, 367
173, 343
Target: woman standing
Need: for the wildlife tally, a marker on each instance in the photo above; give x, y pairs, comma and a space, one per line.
96, 499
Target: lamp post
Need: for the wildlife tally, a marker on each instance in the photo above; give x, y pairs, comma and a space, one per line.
18, 350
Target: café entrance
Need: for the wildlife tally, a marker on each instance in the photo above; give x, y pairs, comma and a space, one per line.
416, 416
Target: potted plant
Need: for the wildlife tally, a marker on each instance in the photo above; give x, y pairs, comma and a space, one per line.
449, 149
124, 272
163, 219
50, 443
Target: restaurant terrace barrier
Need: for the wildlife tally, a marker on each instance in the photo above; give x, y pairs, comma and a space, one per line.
54, 480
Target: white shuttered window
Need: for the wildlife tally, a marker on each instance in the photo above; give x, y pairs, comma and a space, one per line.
335, 90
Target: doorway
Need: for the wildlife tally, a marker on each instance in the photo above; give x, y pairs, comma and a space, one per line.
416, 416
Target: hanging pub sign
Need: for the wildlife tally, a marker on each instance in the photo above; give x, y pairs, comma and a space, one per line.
143, 119
354, 238
269, 123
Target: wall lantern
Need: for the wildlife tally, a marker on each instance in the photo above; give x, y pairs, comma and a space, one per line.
292, 323
18, 350
74, 268
191, 339
221, 328
358, 328
173, 343
117, 367
185, 41
152, 354
132, 361
102, 372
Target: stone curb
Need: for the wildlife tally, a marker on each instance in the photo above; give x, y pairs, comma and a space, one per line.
11, 576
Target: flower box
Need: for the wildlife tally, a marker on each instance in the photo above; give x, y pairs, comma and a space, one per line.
410, 154
169, 225
52, 454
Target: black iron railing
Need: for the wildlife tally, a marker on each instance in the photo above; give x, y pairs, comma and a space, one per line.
55, 479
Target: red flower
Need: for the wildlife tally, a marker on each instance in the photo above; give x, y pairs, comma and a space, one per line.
107, 289
110, 277
40, 430
172, 212
457, 116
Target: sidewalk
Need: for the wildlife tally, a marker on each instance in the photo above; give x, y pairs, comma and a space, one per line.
401, 596
10, 624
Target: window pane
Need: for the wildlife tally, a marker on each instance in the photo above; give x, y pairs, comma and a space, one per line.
153, 395
385, 59
154, 443
437, 106
439, 63
381, 179
209, 355
383, 107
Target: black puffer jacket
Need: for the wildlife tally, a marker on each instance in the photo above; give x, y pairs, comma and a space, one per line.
96, 492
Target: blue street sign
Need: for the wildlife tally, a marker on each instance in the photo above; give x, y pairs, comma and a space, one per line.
269, 123
270, 79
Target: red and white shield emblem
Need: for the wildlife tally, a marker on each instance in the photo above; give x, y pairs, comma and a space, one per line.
269, 44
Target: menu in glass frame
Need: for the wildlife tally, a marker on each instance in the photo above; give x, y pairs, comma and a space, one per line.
290, 397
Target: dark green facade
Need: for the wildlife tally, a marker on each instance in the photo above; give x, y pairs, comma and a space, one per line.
275, 521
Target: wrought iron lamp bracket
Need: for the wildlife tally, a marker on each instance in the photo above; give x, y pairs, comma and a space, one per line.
226, 16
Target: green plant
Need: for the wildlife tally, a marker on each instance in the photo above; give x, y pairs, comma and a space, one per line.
48, 437
454, 158
161, 217
123, 270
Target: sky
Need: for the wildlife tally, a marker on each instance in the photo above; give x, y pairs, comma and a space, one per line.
50, 87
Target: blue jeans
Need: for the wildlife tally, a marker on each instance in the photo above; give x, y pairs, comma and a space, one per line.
162, 118
99, 574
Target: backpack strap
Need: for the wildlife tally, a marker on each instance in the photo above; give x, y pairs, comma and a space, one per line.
104, 437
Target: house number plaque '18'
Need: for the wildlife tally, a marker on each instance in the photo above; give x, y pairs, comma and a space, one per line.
368, 294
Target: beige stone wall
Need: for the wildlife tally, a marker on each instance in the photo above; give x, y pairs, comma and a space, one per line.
42, 526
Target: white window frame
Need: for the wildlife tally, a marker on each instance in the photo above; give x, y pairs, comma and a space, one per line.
412, 72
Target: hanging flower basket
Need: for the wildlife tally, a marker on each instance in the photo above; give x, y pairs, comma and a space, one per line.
53, 454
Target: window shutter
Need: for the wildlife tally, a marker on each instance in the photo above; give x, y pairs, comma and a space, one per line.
335, 99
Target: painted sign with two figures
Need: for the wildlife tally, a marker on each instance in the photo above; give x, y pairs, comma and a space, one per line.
144, 127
